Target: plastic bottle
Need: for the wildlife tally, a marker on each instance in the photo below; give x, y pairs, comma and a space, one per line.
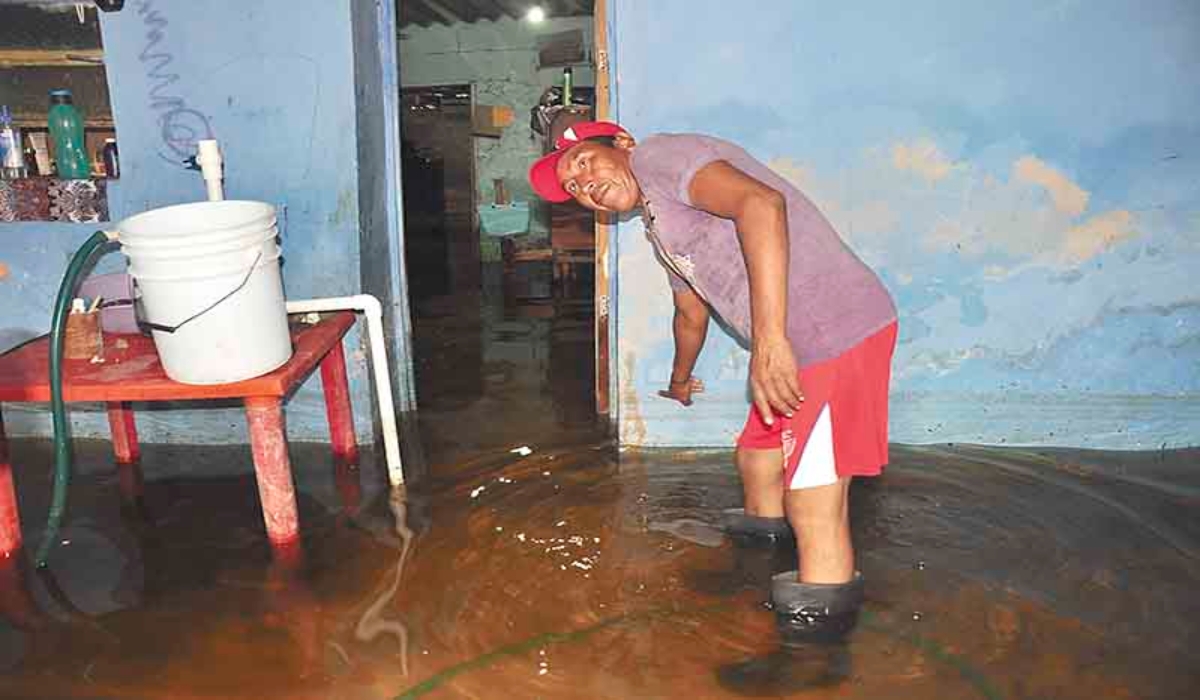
112, 162
12, 156
66, 129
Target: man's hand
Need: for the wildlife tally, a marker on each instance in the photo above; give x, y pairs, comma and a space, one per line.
774, 381
682, 391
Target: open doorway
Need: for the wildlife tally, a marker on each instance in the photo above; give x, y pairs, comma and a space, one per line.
486, 89
438, 154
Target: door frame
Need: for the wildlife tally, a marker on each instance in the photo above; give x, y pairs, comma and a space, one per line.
605, 300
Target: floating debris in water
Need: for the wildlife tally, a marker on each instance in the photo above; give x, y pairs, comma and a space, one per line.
916, 617
691, 530
475, 493
499, 528
920, 566
523, 450
504, 480
521, 536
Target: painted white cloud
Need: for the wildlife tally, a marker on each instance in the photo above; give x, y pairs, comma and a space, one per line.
1068, 197
1004, 239
923, 158
1098, 234
914, 191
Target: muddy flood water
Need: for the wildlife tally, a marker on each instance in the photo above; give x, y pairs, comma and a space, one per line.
572, 569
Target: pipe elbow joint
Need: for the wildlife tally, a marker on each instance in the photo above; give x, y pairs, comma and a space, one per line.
371, 305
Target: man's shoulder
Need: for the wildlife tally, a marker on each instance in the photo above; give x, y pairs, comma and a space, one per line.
667, 141
666, 156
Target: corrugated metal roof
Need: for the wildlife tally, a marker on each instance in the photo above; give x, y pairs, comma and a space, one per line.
26, 27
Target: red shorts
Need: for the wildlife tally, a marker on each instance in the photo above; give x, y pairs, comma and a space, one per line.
841, 428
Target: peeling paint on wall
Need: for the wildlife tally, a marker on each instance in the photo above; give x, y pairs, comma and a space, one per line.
1033, 214
633, 426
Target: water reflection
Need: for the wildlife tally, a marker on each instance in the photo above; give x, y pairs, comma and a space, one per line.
557, 580
571, 570
374, 622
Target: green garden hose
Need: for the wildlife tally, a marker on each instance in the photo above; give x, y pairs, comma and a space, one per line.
58, 407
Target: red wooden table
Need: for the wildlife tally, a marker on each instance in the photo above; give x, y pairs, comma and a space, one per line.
131, 372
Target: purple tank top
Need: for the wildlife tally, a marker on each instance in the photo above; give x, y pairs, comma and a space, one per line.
834, 299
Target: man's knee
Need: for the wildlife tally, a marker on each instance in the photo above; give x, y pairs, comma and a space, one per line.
819, 506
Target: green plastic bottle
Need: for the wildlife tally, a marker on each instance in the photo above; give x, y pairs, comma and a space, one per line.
66, 130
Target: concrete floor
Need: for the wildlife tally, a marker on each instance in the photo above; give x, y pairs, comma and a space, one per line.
575, 570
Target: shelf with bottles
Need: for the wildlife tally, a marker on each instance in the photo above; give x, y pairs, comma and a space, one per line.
60, 148
96, 138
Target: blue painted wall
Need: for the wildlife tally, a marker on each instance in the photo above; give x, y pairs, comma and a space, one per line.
1022, 174
381, 217
274, 81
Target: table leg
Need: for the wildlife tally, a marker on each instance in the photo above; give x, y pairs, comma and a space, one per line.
337, 405
10, 520
125, 445
268, 441
17, 604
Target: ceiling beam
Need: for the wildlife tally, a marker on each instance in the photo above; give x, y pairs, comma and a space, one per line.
446, 14
463, 9
516, 12
484, 9
411, 12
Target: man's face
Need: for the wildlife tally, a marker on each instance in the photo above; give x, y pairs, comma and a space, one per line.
599, 177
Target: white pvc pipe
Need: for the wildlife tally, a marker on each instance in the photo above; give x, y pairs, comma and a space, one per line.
370, 307
208, 157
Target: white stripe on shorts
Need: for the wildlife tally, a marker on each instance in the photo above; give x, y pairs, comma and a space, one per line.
817, 466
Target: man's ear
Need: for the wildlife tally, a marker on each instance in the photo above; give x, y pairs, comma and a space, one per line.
624, 141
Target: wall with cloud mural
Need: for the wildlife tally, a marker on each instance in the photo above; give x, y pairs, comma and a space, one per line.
1025, 176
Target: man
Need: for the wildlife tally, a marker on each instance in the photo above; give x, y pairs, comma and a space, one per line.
739, 240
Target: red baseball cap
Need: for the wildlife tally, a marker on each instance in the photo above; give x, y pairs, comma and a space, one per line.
544, 173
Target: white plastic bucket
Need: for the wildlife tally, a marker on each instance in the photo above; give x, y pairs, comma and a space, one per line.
210, 271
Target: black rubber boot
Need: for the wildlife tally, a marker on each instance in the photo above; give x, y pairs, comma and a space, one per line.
754, 529
788, 671
813, 621
821, 613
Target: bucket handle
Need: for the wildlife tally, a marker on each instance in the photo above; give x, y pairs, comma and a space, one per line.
147, 325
